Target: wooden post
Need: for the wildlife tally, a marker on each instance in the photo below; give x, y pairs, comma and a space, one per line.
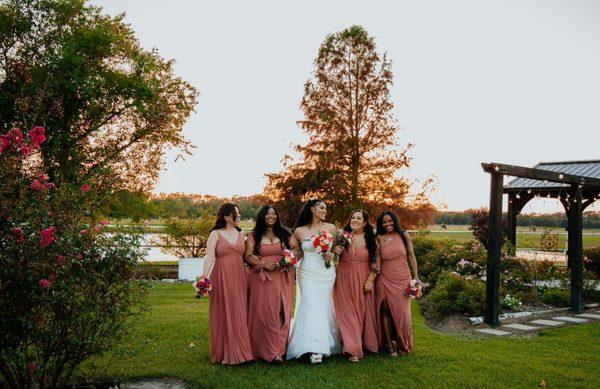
512, 220
576, 250
492, 290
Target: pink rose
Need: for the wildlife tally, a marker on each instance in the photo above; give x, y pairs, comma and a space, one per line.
51, 214
85, 188
47, 236
15, 136
25, 150
84, 232
32, 367
4, 143
36, 185
80, 256
18, 234
44, 283
96, 229
60, 260
104, 222
37, 136
50, 185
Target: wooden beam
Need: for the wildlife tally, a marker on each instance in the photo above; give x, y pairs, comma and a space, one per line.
539, 174
511, 216
492, 283
576, 250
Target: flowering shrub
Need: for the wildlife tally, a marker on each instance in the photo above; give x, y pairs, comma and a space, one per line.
66, 287
510, 302
591, 262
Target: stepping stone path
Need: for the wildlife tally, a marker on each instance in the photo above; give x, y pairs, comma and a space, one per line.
551, 323
589, 316
491, 331
521, 327
569, 319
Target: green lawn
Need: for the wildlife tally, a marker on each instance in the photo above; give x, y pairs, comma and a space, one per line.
159, 347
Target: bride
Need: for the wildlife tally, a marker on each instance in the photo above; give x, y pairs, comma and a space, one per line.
314, 329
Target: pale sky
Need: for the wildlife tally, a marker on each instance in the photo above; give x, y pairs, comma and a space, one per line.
505, 81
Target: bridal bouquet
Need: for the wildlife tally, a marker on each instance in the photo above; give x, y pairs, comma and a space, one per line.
203, 286
322, 244
288, 261
414, 289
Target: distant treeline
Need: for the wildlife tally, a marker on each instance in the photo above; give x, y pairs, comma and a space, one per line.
554, 220
141, 206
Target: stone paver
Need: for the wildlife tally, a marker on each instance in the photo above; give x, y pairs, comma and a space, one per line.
162, 383
589, 315
491, 331
569, 319
521, 327
551, 323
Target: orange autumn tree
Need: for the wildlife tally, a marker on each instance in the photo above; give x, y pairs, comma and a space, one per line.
353, 154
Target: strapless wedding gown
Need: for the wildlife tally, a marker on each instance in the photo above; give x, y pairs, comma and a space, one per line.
314, 328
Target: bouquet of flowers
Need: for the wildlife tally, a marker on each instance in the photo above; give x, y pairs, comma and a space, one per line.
414, 290
344, 239
203, 286
322, 244
288, 261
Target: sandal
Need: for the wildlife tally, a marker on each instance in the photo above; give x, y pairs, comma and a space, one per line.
353, 359
316, 358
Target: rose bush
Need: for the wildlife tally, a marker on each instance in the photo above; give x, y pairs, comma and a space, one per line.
64, 294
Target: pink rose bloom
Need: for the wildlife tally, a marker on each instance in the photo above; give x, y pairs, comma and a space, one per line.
25, 150
47, 236
36, 185
51, 214
15, 136
4, 143
44, 283
60, 260
104, 222
50, 185
18, 234
37, 136
96, 229
32, 367
85, 188
84, 232
80, 256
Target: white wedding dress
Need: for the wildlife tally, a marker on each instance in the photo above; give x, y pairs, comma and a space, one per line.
314, 328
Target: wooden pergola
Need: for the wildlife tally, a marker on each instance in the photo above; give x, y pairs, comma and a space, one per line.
575, 183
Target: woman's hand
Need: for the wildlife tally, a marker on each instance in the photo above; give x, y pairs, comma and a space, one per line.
328, 256
337, 250
269, 266
368, 286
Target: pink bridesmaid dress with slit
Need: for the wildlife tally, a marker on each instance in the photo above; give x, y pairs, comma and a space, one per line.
269, 305
391, 285
228, 312
355, 309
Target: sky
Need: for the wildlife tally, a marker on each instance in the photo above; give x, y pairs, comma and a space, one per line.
510, 81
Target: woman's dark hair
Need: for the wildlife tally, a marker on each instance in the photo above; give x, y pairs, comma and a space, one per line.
261, 227
306, 214
369, 234
227, 209
397, 228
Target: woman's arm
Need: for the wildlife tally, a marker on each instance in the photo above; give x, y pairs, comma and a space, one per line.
297, 238
412, 260
211, 246
249, 256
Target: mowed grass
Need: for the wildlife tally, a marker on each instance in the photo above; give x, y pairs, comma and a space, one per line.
160, 347
530, 241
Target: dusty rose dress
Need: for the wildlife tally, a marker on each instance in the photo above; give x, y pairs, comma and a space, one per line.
227, 312
269, 304
355, 309
390, 285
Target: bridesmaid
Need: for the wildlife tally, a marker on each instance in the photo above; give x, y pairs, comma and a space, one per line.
353, 295
227, 311
393, 306
270, 290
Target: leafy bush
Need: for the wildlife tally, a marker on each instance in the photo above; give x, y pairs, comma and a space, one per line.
480, 227
66, 287
557, 297
510, 302
185, 238
454, 294
591, 261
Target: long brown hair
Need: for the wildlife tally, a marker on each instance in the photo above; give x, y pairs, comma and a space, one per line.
227, 209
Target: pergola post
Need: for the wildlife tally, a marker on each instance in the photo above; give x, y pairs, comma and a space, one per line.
492, 291
575, 252
512, 219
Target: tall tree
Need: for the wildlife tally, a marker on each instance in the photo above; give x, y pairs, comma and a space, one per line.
108, 105
353, 153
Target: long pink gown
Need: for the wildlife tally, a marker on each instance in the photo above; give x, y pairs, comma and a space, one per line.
269, 305
355, 309
391, 285
227, 312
